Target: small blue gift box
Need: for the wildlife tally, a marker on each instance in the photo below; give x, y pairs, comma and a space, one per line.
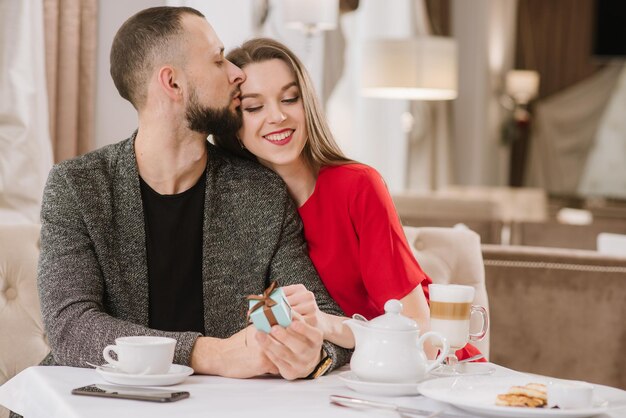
270, 308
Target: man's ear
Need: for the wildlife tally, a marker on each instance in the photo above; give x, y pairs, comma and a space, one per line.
170, 82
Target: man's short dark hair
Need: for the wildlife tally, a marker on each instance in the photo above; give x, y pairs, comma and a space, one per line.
149, 34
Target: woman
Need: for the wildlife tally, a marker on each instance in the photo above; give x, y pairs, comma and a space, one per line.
354, 236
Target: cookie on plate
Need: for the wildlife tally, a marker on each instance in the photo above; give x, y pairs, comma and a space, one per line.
508, 399
531, 395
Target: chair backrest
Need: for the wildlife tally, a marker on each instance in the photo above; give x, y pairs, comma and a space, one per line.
554, 234
23, 342
424, 210
558, 312
452, 255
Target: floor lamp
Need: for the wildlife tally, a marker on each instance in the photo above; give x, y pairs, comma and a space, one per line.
521, 87
311, 16
420, 68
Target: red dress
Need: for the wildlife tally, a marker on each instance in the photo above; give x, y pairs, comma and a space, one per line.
357, 244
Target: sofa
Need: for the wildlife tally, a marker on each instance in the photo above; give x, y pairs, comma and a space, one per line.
558, 312
431, 210
487, 210
23, 342
560, 235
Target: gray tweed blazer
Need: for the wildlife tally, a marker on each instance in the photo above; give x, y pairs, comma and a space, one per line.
93, 275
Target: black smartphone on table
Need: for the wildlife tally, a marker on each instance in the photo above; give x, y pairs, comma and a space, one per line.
140, 394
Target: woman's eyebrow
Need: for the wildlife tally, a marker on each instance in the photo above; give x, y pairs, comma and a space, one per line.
287, 86
252, 95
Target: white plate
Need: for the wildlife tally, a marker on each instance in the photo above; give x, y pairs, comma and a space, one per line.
465, 369
478, 394
378, 388
176, 374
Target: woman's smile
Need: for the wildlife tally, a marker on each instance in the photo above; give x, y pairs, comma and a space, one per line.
281, 137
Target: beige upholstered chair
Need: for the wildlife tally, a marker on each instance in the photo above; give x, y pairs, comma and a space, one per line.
452, 255
22, 339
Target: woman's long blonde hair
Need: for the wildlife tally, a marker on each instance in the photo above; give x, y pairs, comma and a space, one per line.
320, 148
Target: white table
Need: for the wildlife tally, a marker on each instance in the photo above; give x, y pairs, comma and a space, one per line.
44, 392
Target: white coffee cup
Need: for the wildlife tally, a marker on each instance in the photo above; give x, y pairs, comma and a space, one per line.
141, 354
570, 394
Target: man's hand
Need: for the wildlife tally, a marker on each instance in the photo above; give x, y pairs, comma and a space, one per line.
295, 350
238, 356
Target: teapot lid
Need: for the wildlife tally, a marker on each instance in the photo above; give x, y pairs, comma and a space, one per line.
393, 319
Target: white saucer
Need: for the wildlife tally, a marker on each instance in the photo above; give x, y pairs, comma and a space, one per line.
176, 374
378, 388
464, 369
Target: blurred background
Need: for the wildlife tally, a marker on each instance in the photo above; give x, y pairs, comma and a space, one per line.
483, 109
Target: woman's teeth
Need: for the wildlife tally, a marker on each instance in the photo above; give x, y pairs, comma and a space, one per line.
279, 136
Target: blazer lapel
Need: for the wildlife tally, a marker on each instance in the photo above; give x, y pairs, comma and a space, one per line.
211, 251
130, 232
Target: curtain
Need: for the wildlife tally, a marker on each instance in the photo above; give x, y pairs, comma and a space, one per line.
25, 152
564, 129
71, 40
605, 170
554, 38
439, 12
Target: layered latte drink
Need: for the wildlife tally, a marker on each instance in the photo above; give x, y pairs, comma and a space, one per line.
450, 310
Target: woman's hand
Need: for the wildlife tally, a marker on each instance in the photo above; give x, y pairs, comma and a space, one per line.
303, 303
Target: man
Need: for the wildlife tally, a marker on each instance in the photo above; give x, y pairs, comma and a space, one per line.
163, 234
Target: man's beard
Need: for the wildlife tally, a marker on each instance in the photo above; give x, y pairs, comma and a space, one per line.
210, 121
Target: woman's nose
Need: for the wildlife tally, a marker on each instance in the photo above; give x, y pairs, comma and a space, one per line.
277, 116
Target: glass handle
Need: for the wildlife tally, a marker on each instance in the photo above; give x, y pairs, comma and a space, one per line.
483, 312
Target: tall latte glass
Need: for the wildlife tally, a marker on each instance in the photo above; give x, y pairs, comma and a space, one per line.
450, 311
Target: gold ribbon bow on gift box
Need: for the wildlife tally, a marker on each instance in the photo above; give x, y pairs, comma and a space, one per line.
265, 302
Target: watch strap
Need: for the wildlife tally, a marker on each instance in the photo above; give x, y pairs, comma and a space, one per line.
322, 367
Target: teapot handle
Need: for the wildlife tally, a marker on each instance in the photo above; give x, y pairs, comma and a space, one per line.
443, 352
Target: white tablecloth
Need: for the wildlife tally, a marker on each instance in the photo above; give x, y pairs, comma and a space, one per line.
44, 392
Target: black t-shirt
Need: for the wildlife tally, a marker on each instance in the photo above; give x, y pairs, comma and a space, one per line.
174, 225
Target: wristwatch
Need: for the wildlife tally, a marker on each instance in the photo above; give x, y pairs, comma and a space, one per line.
322, 367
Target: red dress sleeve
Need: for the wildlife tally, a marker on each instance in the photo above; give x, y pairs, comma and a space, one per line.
388, 268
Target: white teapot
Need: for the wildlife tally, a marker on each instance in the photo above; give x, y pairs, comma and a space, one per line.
389, 349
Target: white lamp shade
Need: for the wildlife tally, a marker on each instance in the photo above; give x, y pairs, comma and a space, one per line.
422, 68
310, 15
522, 85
